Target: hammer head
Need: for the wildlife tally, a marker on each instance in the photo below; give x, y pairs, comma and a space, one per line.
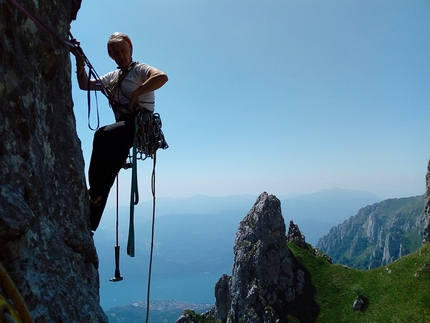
116, 279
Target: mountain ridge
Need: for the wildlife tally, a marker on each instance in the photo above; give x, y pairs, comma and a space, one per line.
378, 234
218, 224
207, 237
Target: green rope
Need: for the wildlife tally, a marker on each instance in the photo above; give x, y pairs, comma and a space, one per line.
134, 194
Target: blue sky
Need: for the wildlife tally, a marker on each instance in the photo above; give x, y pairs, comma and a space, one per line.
288, 97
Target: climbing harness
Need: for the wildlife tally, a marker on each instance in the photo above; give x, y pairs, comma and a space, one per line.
18, 313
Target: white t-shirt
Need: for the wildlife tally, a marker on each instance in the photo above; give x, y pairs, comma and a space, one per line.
134, 78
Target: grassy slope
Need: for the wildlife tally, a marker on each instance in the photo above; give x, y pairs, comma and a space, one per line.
398, 292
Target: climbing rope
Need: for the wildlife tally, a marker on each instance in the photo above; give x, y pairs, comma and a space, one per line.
148, 138
41, 24
10, 289
152, 236
7, 313
92, 74
91, 70
134, 199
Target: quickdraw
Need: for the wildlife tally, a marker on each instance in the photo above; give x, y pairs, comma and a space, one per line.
149, 135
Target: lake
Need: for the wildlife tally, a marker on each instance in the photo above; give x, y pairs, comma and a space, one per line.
196, 288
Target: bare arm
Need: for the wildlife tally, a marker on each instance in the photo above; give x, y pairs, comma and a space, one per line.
80, 69
83, 77
155, 80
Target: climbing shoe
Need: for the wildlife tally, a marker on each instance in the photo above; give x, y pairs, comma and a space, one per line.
96, 202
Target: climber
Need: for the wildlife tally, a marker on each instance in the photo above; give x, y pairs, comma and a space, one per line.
132, 85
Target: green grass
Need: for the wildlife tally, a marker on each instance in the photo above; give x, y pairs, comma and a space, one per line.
396, 293
399, 292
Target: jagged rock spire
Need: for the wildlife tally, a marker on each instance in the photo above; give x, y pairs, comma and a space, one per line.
295, 235
264, 278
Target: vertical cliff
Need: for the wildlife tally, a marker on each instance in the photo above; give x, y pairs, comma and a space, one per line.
46, 245
378, 235
427, 206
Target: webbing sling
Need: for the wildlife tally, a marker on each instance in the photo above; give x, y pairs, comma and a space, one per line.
134, 193
90, 74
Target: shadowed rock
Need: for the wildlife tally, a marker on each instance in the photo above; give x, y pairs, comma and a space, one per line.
46, 245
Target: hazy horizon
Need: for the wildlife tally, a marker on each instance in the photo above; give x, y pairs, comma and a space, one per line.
288, 97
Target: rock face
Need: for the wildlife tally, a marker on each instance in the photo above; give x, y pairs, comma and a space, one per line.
378, 235
427, 206
46, 245
295, 235
264, 278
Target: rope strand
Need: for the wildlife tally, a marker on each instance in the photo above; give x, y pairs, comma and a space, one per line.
152, 237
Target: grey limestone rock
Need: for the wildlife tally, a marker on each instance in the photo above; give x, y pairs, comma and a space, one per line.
379, 227
427, 206
46, 244
264, 278
295, 235
358, 304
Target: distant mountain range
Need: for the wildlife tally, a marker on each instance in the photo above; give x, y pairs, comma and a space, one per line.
378, 234
205, 227
195, 236
160, 311
318, 212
